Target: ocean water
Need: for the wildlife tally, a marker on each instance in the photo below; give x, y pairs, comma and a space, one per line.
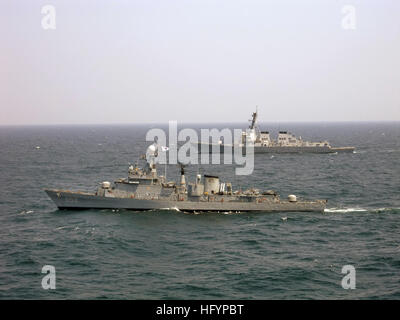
118, 254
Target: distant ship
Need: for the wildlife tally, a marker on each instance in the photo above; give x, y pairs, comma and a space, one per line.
263, 143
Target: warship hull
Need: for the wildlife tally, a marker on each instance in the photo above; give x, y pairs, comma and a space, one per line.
80, 200
303, 150
209, 148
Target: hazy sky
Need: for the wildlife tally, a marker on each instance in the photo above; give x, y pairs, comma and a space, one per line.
117, 61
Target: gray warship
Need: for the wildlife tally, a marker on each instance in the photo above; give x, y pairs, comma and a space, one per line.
263, 143
144, 189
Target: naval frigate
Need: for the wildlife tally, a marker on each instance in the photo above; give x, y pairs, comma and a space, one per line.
262, 142
144, 189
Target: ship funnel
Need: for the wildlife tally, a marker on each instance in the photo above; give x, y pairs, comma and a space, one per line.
183, 180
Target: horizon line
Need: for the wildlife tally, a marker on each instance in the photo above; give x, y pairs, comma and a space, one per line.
188, 122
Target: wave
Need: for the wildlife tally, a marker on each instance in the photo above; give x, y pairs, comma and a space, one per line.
381, 151
172, 208
61, 228
371, 210
26, 212
392, 150
344, 210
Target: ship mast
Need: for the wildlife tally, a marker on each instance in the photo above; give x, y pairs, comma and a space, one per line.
254, 131
253, 120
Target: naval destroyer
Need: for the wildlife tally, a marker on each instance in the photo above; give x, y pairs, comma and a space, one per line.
263, 143
144, 189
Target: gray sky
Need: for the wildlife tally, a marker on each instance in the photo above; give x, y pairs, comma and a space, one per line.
131, 61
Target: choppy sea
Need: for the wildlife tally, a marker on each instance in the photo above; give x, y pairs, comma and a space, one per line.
118, 254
